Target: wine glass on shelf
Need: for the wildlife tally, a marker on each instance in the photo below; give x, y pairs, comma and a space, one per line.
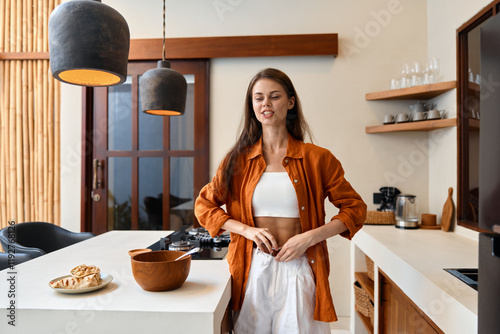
405, 76
416, 74
426, 73
434, 67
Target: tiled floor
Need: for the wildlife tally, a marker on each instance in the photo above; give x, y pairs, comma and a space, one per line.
342, 326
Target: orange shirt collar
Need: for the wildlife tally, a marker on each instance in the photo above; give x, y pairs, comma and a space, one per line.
293, 149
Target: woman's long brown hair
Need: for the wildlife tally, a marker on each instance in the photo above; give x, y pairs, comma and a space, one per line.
252, 128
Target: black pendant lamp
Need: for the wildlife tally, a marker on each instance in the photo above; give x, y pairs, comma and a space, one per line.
163, 90
88, 44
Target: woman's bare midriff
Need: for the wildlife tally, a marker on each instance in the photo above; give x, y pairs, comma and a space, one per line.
281, 228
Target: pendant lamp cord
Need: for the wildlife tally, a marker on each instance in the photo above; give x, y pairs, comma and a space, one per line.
163, 47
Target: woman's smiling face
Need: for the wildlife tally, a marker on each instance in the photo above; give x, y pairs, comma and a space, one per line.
270, 102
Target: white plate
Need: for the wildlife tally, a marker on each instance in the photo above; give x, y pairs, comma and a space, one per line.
105, 280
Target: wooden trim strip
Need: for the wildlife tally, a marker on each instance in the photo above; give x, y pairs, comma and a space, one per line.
235, 46
24, 55
218, 47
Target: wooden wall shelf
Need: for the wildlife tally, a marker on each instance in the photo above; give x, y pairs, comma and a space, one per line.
366, 283
474, 123
413, 126
366, 321
423, 92
474, 87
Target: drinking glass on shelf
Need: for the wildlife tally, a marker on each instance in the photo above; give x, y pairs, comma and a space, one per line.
405, 76
395, 83
426, 74
416, 74
434, 67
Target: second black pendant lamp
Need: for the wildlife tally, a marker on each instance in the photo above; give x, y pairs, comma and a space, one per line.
163, 90
88, 44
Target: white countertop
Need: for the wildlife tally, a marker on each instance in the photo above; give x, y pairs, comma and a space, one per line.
414, 260
122, 307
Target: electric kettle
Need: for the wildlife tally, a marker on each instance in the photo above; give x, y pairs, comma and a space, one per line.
406, 211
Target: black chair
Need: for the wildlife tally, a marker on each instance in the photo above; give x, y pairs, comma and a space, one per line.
39, 238
15, 259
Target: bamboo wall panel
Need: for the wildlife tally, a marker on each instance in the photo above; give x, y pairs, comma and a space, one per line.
29, 116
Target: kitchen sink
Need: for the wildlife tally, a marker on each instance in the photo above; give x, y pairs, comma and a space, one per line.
467, 275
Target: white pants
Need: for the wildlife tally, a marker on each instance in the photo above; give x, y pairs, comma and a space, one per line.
279, 298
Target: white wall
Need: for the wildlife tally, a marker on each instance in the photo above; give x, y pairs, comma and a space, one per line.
375, 38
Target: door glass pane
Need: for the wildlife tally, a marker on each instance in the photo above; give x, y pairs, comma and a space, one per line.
120, 116
150, 130
182, 127
181, 192
119, 193
150, 193
472, 109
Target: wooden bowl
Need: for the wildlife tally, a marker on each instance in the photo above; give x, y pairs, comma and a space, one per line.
157, 270
133, 252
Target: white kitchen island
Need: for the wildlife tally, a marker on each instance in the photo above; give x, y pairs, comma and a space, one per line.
415, 260
198, 306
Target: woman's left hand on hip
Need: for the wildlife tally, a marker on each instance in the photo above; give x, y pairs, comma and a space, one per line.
294, 248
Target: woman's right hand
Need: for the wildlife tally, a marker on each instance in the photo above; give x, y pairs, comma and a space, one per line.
264, 240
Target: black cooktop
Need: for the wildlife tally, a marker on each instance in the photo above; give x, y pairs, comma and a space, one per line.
211, 248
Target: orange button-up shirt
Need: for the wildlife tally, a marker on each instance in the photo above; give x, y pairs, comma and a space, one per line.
316, 174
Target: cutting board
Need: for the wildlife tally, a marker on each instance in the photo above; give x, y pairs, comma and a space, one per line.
447, 212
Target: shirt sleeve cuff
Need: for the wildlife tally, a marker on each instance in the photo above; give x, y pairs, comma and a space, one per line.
215, 225
352, 228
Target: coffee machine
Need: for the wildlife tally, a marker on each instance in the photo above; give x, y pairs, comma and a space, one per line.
388, 198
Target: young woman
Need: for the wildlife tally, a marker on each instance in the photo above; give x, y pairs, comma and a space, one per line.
273, 186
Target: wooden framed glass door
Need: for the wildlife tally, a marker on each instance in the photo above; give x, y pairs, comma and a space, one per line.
148, 169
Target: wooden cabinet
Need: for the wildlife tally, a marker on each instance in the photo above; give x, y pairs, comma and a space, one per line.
398, 314
423, 92
409, 280
393, 312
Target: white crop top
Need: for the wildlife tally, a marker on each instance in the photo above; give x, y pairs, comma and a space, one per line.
274, 196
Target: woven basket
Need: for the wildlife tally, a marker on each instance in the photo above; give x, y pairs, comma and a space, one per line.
370, 268
380, 218
362, 302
